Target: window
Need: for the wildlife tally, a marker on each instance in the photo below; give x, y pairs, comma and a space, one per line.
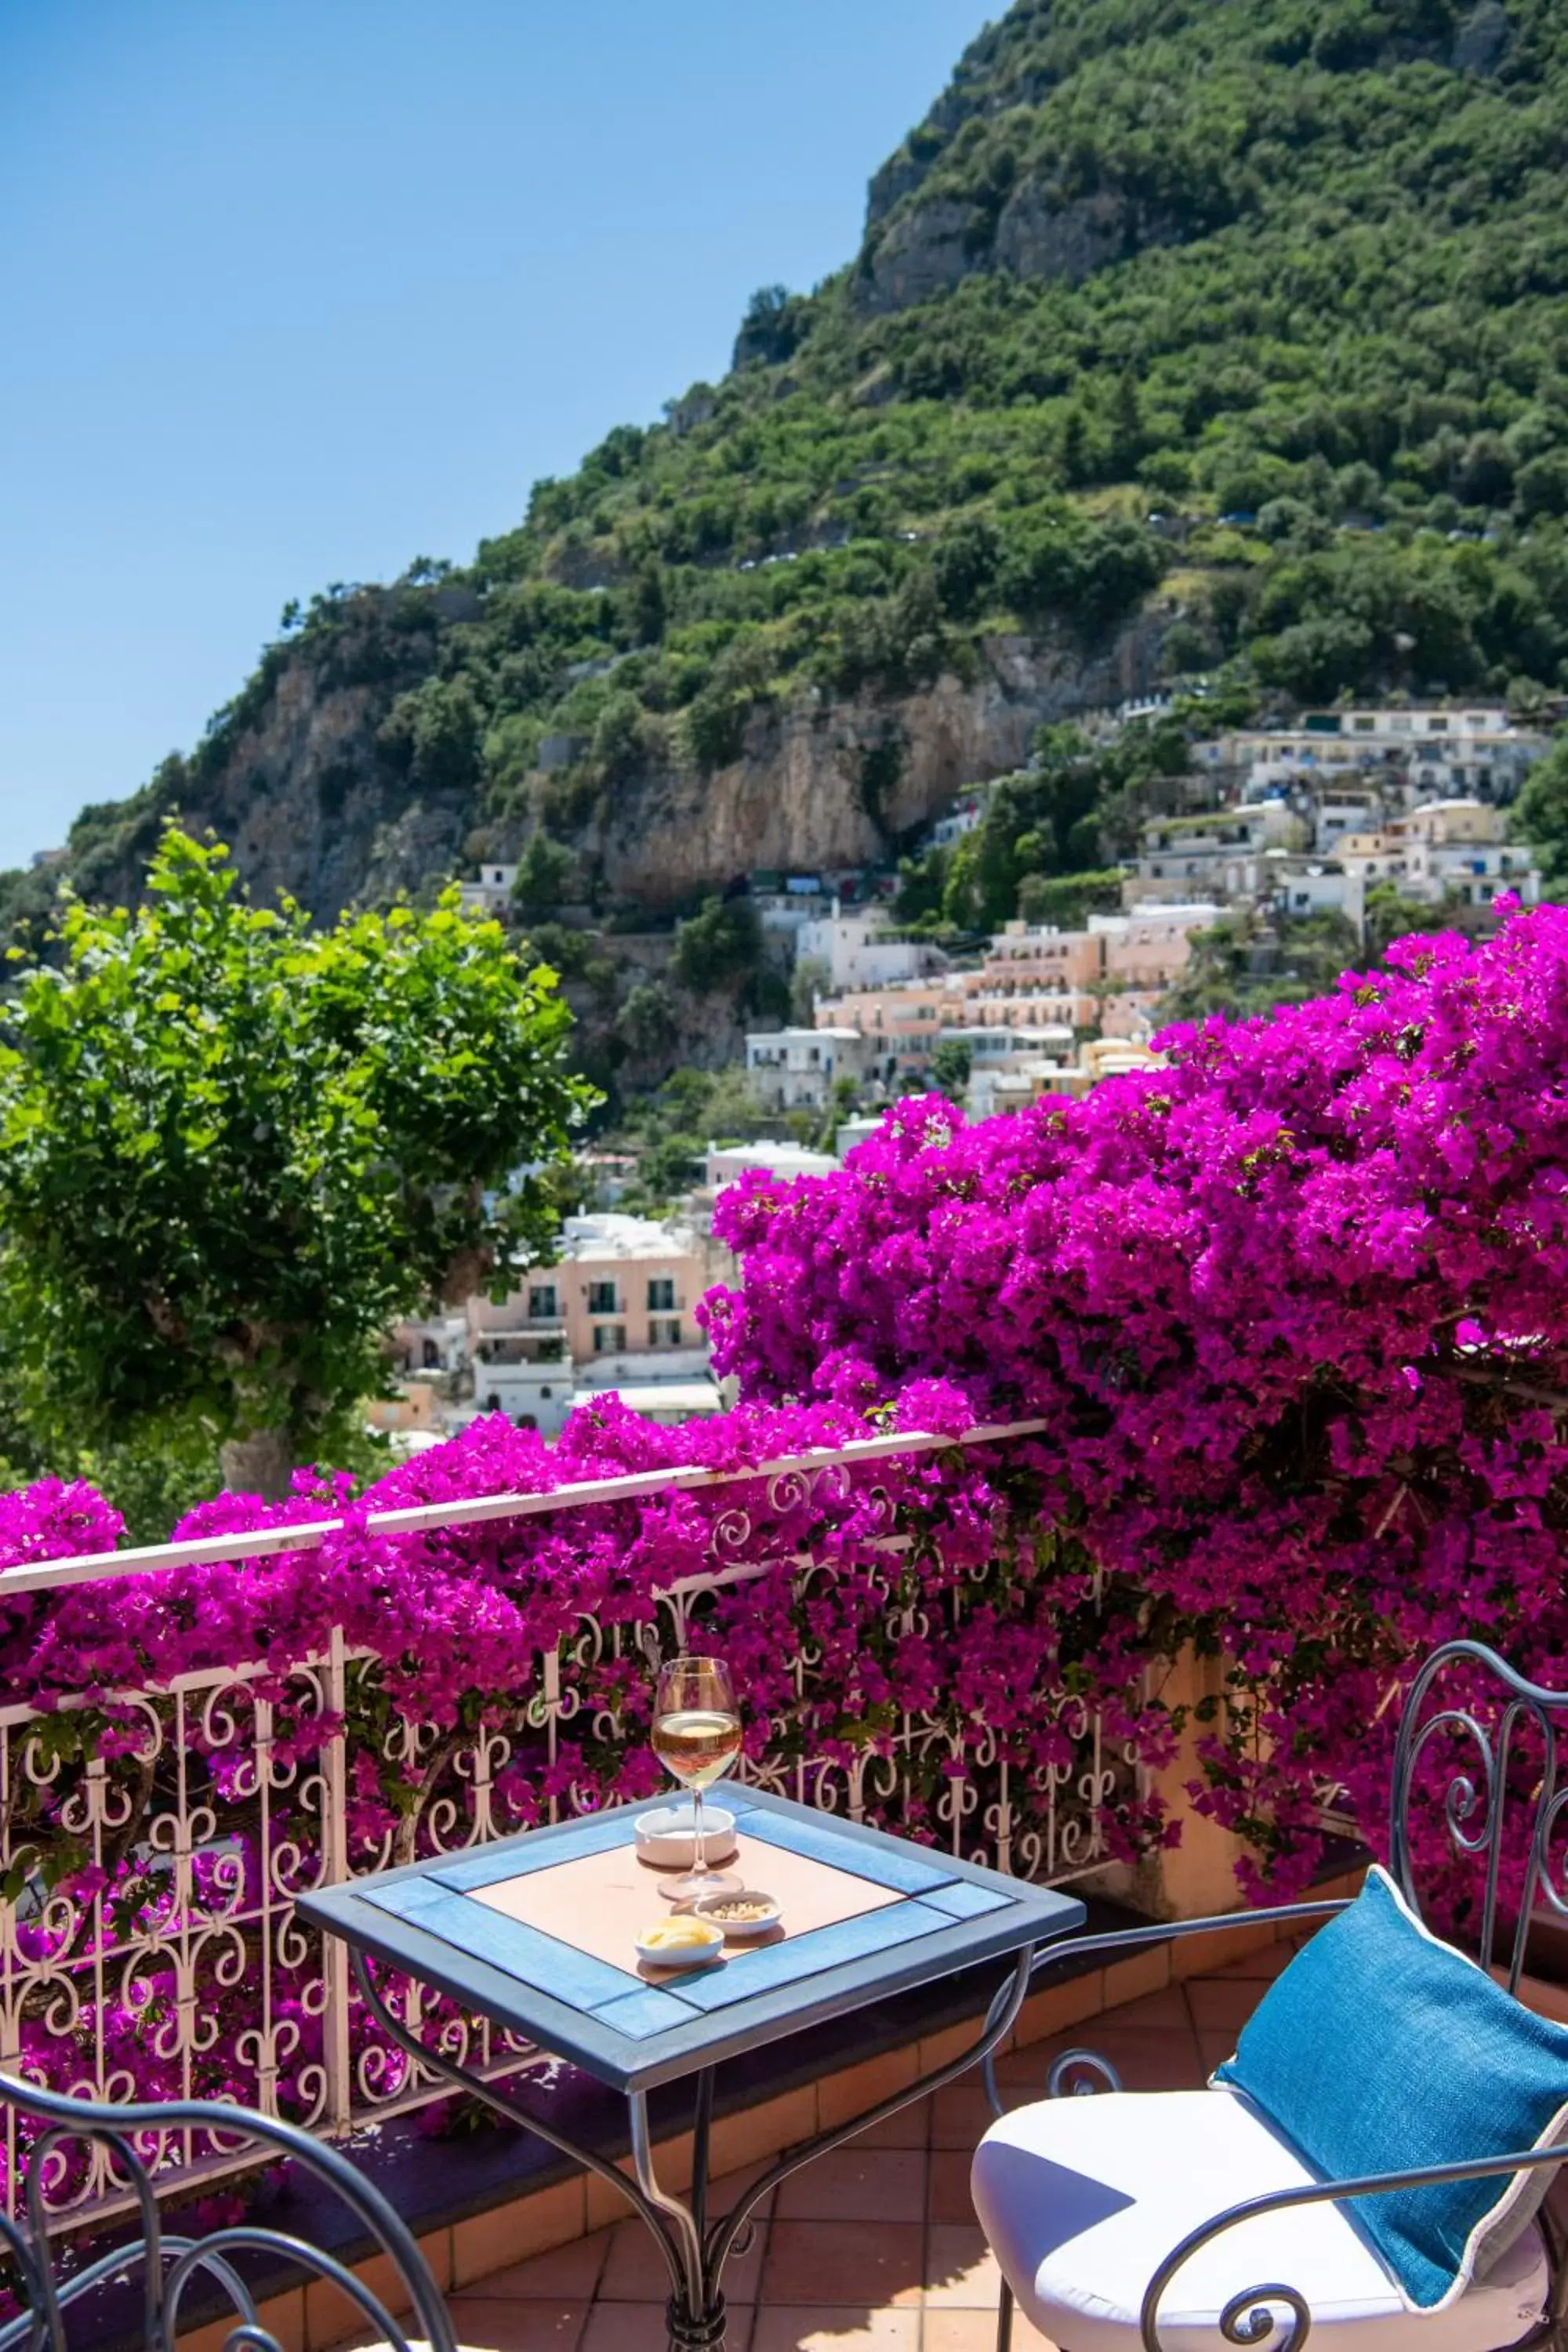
545, 1392
602, 1299
661, 1292
609, 1338
664, 1334
540, 1302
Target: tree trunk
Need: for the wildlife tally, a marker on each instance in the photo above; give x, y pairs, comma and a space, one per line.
258, 1464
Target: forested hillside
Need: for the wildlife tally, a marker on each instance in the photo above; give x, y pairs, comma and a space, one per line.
1198, 335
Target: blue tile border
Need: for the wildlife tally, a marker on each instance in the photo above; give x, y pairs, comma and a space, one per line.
526, 1953
547, 1849
962, 1900
520, 1858
651, 2010
904, 1872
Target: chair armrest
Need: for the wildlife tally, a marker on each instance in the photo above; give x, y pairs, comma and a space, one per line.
167, 2263
1165, 1931
1134, 1940
1247, 2319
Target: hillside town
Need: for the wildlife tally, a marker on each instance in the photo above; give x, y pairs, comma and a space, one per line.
1277, 825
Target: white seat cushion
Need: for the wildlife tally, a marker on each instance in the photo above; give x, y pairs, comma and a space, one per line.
1083, 2199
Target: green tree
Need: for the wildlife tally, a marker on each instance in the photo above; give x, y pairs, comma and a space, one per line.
951, 1064
544, 876
1248, 964
233, 1148
1390, 916
647, 1018
721, 944
1541, 811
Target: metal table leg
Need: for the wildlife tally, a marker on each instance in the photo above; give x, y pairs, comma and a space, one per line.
695, 2249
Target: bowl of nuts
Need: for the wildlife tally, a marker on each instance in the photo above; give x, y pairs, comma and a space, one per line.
741, 1914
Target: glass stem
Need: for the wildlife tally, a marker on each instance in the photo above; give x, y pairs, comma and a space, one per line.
697, 1841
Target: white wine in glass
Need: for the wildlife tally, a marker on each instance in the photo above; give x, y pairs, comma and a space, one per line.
697, 1737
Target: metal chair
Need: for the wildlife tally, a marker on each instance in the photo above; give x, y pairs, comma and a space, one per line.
164, 2265
1074, 2197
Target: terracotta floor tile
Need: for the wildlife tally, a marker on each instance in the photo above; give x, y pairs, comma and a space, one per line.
1146, 2058
1224, 2001
636, 2271
484, 2323
817, 2330
723, 2192
1024, 2073
961, 2114
910, 2127
856, 2184
566, 2275
630, 2327
868, 2264
961, 2269
976, 2331
947, 2192
1164, 2008
1267, 1961
1213, 2047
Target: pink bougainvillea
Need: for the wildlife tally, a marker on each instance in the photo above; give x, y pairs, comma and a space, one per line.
1294, 1314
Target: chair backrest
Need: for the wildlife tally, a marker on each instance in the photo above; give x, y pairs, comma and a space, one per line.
1478, 1803
149, 2286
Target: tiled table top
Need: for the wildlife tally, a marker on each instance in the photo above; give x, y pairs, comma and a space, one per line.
539, 1932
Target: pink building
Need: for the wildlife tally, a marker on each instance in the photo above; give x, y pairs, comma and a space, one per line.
1104, 979
1020, 958
616, 1309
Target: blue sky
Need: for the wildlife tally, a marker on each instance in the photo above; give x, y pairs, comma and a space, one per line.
295, 292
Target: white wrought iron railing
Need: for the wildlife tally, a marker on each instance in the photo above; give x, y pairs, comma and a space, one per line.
233, 1790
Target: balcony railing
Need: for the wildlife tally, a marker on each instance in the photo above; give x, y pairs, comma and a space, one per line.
151, 1844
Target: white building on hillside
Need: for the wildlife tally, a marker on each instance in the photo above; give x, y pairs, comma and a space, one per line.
727, 1162
855, 949
491, 894
795, 1069
1451, 851
1218, 854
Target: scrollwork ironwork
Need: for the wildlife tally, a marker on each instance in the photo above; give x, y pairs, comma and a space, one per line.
159, 1867
130, 2141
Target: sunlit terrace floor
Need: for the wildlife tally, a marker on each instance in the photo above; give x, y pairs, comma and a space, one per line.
872, 2249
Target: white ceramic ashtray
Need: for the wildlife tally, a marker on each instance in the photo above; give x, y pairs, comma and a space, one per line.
668, 1840
744, 1913
682, 1942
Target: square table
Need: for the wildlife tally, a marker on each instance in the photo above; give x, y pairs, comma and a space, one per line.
537, 1932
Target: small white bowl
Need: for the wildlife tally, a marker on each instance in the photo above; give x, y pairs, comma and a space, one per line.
667, 1840
740, 1931
682, 1955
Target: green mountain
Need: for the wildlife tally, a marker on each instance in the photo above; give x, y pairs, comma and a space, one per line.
1186, 336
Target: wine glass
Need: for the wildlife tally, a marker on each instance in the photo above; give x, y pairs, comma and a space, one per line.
697, 1737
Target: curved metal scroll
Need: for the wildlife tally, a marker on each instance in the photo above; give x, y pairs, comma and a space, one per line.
167, 2263
1490, 1782
1249, 2317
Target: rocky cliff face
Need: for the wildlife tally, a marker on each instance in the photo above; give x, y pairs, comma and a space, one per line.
932, 243
797, 797
312, 806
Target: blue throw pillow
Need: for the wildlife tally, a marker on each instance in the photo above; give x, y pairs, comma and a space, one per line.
1382, 2049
